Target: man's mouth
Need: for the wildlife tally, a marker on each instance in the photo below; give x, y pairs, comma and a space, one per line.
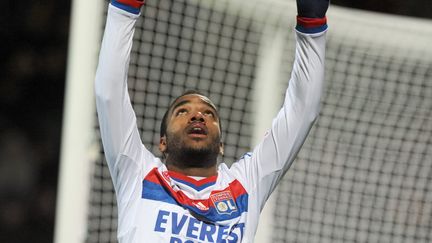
197, 130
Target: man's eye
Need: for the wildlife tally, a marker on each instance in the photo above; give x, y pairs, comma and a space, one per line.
181, 112
209, 113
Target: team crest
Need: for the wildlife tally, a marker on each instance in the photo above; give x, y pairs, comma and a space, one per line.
224, 202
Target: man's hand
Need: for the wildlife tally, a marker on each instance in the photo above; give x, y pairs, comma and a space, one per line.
312, 8
132, 6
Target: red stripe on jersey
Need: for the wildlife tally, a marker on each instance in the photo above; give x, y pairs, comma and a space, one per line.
234, 187
197, 183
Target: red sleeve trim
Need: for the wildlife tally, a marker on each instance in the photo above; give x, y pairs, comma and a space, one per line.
311, 22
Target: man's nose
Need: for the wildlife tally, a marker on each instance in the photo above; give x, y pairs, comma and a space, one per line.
197, 116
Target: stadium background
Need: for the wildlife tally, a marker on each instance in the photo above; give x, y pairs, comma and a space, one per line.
34, 39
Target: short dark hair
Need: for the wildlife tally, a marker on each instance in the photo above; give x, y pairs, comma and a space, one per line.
164, 123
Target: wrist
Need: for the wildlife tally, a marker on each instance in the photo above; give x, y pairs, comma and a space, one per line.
131, 6
311, 25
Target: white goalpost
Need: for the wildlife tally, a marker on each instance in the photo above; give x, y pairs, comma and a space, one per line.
79, 145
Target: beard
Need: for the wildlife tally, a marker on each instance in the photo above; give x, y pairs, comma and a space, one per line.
186, 154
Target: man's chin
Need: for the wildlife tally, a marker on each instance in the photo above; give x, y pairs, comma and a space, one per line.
198, 149
193, 147
197, 142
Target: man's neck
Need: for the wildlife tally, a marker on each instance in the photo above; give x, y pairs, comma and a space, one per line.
202, 172
204, 164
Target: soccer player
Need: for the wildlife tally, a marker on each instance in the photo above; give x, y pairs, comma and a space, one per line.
186, 196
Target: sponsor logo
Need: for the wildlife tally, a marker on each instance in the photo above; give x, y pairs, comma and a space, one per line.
166, 175
224, 202
185, 229
201, 206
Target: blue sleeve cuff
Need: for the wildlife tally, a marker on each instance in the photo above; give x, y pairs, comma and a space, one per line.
128, 8
311, 25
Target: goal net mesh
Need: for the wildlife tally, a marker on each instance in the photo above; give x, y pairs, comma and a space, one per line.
365, 172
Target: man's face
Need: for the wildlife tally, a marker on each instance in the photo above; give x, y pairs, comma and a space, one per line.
192, 125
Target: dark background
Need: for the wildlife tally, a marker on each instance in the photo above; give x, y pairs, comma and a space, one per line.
34, 41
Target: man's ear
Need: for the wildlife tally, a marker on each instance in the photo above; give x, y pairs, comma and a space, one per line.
221, 148
162, 144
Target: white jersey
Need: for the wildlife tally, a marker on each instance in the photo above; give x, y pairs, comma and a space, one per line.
157, 205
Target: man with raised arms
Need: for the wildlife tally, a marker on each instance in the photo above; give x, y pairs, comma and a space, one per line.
187, 196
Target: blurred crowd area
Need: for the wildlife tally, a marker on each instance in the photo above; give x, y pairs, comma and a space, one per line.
34, 37
414, 8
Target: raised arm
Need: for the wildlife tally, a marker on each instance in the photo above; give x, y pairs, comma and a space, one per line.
265, 166
117, 120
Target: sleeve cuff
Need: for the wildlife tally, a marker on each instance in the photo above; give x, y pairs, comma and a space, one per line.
311, 25
131, 6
